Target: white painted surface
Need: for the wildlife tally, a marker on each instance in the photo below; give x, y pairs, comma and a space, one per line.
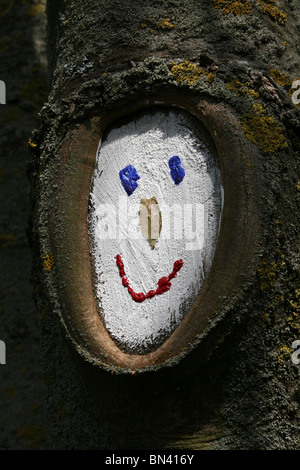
147, 143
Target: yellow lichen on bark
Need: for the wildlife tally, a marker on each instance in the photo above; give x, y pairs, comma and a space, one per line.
294, 312
48, 262
244, 7
281, 78
237, 7
189, 72
270, 8
267, 273
242, 89
263, 130
284, 354
165, 24
31, 144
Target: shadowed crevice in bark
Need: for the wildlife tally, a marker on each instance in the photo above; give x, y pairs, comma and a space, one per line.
23, 68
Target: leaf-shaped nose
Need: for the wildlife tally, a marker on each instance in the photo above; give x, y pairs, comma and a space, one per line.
150, 220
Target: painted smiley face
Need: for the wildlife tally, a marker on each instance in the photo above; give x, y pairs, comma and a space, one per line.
150, 224
155, 207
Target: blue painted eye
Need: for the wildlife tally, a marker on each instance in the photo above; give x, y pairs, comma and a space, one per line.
176, 170
129, 177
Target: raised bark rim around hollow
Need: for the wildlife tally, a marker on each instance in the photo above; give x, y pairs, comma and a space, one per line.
235, 252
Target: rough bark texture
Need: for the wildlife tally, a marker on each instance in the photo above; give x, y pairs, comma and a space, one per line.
243, 55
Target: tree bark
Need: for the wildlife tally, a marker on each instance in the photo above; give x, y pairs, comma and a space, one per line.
237, 388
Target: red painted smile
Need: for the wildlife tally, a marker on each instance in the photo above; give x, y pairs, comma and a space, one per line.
164, 283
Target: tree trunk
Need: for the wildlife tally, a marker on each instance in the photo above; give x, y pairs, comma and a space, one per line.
233, 65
